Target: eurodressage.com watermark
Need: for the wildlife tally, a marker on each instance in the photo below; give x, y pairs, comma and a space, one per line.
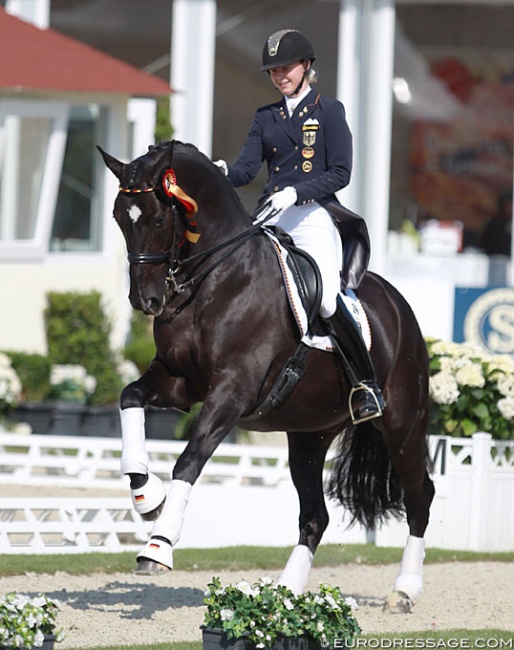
464, 643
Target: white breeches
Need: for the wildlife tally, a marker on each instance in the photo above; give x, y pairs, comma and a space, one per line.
313, 230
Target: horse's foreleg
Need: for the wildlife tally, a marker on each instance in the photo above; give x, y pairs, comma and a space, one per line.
307, 453
147, 491
207, 432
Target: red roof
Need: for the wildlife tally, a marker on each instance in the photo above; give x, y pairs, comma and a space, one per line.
43, 59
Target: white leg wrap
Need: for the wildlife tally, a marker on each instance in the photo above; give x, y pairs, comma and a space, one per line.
410, 578
134, 459
296, 572
169, 524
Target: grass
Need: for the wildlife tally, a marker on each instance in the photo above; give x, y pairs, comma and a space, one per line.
240, 558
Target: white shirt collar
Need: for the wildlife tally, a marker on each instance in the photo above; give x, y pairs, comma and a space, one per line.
292, 102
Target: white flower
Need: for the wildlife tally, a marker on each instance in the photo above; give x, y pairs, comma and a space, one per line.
66, 377
351, 602
505, 384
245, 588
10, 384
470, 375
330, 600
320, 626
288, 604
5, 362
39, 639
506, 407
226, 614
128, 371
502, 362
444, 388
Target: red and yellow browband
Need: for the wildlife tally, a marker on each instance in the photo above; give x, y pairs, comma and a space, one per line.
168, 185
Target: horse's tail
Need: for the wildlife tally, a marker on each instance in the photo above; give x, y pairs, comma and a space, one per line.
363, 477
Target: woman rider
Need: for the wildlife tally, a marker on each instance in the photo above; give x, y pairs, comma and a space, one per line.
307, 145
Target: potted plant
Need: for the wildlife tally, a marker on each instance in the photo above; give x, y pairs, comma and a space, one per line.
28, 623
265, 615
470, 391
10, 386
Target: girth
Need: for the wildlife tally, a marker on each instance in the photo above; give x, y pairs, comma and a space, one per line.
308, 281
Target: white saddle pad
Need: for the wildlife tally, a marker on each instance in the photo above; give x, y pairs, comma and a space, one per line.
353, 304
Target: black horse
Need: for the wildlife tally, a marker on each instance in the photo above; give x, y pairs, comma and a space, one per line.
223, 330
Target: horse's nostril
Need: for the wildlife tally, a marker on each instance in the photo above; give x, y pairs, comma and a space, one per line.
152, 306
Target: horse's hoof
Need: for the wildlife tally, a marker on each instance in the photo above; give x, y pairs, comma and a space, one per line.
398, 603
147, 567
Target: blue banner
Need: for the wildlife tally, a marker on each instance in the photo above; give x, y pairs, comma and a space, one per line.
485, 317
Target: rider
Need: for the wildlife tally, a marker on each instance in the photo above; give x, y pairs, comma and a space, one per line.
307, 145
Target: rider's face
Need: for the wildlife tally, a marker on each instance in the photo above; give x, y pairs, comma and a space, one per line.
287, 78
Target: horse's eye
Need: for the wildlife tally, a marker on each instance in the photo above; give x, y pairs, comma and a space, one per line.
159, 222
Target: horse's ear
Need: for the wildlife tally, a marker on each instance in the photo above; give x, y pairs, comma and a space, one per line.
112, 163
163, 161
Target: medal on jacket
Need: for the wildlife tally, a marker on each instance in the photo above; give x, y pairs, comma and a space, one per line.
308, 152
307, 166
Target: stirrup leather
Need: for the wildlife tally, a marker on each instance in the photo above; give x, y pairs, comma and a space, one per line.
356, 419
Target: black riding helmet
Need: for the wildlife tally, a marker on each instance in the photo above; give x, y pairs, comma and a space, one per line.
285, 47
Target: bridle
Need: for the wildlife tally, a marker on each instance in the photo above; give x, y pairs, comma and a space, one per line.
178, 200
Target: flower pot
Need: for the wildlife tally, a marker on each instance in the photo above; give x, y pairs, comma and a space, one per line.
37, 414
102, 422
48, 643
160, 423
215, 639
68, 418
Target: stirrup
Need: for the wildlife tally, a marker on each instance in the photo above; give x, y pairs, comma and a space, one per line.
356, 419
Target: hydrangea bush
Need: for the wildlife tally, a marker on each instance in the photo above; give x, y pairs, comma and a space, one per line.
71, 383
263, 612
25, 621
470, 391
10, 384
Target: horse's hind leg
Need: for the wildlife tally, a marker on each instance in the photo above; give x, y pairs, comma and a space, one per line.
410, 461
307, 453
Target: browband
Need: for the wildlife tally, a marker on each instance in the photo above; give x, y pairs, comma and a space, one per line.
169, 188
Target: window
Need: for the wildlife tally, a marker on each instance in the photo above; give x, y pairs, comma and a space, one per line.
76, 224
32, 137
50, 178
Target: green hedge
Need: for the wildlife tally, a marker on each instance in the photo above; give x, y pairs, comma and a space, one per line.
78, 332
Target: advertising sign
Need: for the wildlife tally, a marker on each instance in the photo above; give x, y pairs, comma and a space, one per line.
485, 318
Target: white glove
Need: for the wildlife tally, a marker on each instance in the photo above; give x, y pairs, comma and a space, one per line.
284, 199
276, 204
222, 166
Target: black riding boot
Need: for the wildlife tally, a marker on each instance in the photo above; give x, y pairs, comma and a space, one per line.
366, 401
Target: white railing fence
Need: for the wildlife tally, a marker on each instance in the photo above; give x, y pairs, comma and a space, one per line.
245, 496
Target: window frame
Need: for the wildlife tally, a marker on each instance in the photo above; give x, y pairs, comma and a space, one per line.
58, 113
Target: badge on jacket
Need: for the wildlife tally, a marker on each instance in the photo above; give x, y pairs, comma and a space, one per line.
309, 129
